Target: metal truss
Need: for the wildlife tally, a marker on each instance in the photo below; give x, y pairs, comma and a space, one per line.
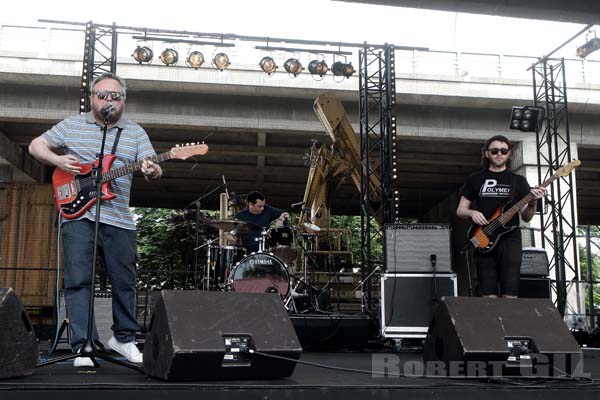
558, 228
377, 97
99, 56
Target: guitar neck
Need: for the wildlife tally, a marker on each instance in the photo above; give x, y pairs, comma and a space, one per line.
508, 215
131, 168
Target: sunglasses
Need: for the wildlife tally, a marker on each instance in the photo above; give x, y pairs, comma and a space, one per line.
114, 96
496, 150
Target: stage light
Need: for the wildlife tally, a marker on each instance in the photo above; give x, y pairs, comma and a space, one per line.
195, 59
169, 56
293, 66
526, 119
143, 54
268, 65
342, 69
588, 48
316, 67
221, 61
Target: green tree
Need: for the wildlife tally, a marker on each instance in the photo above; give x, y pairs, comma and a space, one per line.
594, 246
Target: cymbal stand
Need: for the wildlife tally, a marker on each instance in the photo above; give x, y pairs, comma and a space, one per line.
361, 286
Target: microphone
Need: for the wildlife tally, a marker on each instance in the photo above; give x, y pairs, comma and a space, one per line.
225, 184
294, 205
433, 259
106, 110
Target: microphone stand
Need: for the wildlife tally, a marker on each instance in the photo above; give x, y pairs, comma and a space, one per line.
198, 204
89, 348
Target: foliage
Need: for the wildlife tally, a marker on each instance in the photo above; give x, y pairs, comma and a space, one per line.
594, 262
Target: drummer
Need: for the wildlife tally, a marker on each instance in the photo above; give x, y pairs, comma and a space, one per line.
260, 214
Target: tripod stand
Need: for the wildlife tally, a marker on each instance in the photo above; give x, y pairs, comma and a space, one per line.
89, 348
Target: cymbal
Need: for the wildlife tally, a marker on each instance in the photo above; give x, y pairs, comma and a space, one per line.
311, 227
231, 224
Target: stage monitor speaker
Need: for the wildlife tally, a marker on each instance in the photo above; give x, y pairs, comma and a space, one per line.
201, 335
408, 302
534, 262
18, 344
413, 247
510, 336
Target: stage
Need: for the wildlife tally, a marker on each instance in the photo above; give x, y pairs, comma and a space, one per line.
110, 381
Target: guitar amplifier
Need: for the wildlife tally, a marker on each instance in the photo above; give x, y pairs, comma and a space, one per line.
534, 262
408, 302
411, 248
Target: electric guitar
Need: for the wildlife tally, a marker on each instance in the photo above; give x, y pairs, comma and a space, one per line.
75, 194
484, 238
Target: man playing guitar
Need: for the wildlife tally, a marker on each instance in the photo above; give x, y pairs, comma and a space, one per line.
482, 197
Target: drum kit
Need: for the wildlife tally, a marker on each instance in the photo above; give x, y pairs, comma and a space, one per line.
269, 270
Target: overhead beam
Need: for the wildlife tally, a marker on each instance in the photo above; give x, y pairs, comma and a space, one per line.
20, 159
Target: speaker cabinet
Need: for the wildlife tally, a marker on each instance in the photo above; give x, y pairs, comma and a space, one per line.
18, 344
408, 301
201, 335
538, 288
518, 335
411, 247
534, 262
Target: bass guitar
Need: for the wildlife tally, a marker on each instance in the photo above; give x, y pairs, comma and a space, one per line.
484, 238
75, 194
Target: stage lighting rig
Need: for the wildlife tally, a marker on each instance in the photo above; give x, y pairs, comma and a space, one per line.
143, 54
221, 61
316, 67
293, 66
588, 48
342, 69
169, 56
268, 65
195, 59
526, 119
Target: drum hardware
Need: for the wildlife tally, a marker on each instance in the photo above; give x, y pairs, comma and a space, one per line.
280, 241
361, 286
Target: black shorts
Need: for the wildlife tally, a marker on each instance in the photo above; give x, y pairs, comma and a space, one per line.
499, 271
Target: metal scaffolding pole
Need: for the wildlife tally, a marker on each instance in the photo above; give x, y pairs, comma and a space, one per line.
377, 97
558, 229
99, 56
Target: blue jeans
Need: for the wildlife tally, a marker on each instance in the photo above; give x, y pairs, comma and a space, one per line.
120, 254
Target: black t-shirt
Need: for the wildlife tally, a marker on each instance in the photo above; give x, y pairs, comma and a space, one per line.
263, 219
488, 190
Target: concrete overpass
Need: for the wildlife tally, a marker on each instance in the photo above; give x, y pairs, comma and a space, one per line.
259, 128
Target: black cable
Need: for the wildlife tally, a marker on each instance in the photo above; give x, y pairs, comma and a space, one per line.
514, 381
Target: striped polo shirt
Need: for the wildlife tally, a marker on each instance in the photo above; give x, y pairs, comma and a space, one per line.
81, 136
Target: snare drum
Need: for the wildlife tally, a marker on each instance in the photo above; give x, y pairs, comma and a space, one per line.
281, 243
260, 273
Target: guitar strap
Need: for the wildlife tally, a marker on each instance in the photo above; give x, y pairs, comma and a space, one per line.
116, 142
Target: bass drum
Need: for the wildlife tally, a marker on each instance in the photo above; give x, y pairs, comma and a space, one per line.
260, 273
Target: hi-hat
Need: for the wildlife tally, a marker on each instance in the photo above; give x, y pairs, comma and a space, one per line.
231, 224
311, 227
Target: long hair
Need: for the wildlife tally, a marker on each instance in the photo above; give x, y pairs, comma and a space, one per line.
485, 162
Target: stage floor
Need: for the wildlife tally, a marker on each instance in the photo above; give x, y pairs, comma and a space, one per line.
110, 381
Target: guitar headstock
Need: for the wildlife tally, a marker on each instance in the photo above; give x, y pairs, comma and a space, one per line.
567, 168
188, 150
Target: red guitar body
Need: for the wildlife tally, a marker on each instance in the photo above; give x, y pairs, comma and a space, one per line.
75, 194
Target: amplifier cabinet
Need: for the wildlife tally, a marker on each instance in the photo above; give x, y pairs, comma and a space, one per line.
408, 302
411, 247
534, 262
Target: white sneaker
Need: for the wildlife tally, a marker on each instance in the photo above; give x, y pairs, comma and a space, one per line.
83, 362
128, 350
